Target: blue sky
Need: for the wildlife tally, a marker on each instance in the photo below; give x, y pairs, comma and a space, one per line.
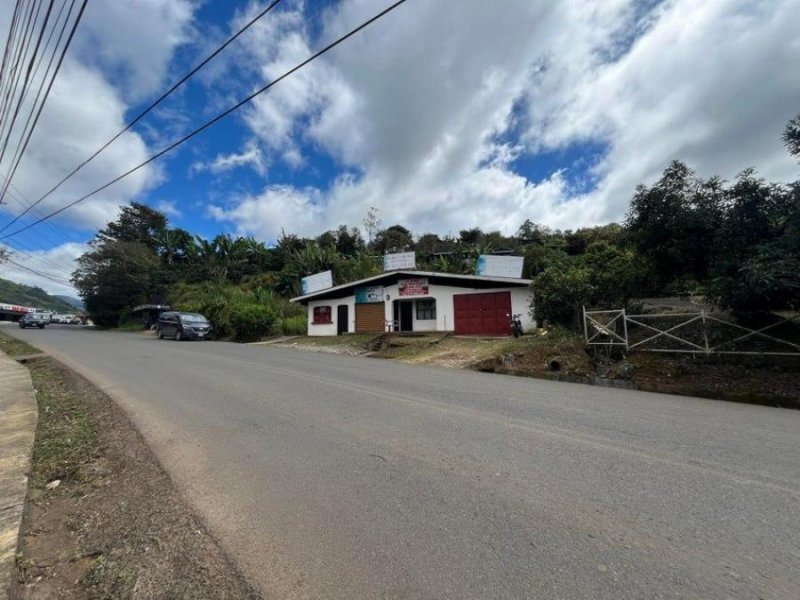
444, 115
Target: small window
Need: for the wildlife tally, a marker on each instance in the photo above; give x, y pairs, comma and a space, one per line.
322, 315
426, 310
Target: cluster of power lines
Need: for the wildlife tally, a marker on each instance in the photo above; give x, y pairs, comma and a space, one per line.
19, 65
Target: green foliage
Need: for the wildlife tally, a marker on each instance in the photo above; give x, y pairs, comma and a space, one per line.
758, 248
251, 321
16, 293
559, 294
672, 223
791, 136
297, 325
738, 243
392, 239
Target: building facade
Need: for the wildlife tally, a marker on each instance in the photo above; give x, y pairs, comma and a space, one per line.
420, 301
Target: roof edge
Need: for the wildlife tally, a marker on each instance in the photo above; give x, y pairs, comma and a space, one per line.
343, 286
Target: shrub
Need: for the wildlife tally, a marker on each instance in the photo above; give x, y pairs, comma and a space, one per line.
296, 325
560, 293
251, 321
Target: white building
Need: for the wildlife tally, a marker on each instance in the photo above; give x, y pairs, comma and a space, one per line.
420, 301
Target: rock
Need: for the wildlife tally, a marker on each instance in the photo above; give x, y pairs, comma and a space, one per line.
53, 484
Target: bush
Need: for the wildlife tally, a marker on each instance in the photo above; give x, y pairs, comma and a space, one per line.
251, 321
559, 294
297, 325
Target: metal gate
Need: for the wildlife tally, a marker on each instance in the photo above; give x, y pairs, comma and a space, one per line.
688, 332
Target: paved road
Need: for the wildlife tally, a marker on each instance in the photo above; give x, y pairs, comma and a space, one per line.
337, 477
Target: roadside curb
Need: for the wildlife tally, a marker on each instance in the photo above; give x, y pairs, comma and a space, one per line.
18, 419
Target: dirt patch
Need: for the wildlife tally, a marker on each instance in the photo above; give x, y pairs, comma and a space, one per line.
114, 526
562, 355
350, 345
738, 379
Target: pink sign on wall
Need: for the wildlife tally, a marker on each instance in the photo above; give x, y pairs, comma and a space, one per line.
413, 287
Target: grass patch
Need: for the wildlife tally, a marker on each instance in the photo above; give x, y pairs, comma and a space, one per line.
130, 326
66, 437
354, 340
296, 325
14, 347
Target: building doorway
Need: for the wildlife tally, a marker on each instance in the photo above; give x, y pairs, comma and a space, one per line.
342, 319
404, 315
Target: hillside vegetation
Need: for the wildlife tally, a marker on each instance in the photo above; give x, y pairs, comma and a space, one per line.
25, 295
735, 242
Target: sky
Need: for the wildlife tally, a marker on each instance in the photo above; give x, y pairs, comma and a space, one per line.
444, 115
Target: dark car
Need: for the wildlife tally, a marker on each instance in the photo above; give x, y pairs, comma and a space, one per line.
34, 320
183, 326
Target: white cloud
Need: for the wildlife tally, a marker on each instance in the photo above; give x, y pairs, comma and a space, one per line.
47, 269
422, 104
134, 41
121, 53
251, 156
169, 208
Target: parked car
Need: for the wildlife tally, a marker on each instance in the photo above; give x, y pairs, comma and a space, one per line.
183, 326
75, 321
39, 320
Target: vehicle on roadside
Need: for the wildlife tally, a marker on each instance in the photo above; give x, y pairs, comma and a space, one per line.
39, 320
183, 326
75, 321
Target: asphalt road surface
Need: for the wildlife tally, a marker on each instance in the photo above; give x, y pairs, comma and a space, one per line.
337, 477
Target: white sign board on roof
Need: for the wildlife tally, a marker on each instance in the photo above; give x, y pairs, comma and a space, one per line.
500, 266
399, 261
317, 282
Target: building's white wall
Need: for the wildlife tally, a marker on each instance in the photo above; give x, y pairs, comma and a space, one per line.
425, 324
521, 304
445, 319
445, 315
331, 328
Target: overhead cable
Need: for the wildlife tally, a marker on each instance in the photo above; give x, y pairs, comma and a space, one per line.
213, 121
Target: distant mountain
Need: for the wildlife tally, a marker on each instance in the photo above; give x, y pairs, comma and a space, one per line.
74, 302
25, 295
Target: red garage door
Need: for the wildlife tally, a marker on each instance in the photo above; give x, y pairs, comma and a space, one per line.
482, 314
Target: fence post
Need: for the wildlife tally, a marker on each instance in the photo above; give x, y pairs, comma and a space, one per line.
625, 327
585, 329
705, 331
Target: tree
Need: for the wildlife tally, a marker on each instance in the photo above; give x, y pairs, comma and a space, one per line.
757, 248
791, 136
371, 223
559, 293
531, 233
122, 267
673, 225
349, 242
137, 223
393, 239
114, 276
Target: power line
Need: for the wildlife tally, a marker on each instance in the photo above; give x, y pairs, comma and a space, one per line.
11, 33
40, 274
13, 169
142, 114
22, 50
15, 195
216, 119
24, 91
47, 263
17, 154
